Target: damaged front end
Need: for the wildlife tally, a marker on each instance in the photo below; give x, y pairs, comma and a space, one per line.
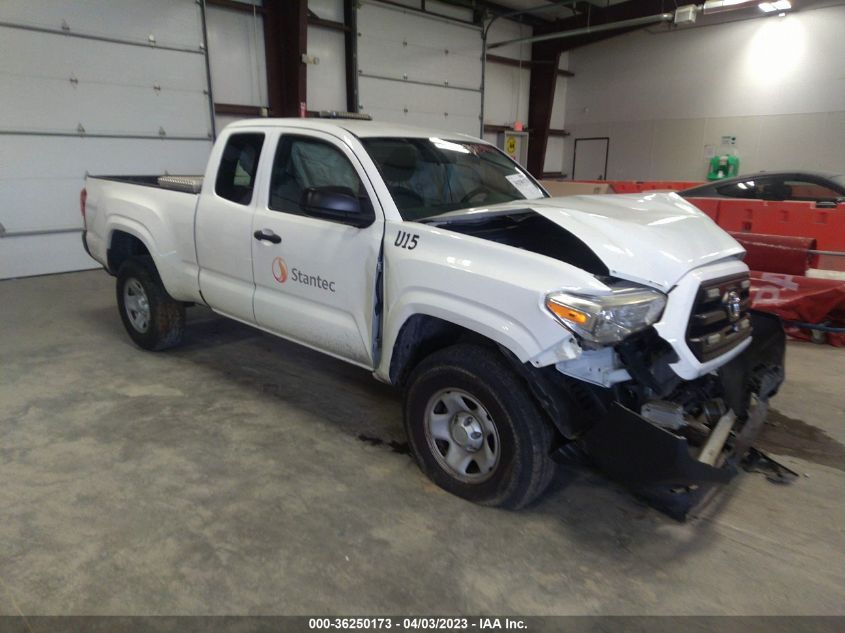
688, 436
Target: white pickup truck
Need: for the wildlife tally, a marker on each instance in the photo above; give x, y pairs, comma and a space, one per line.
514, 323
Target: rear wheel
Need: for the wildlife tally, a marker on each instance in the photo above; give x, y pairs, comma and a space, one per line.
152, 318
475, 429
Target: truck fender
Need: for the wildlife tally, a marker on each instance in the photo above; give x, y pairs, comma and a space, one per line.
139, 231
468, 315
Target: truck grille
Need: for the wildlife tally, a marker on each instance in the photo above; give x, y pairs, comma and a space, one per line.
719, 320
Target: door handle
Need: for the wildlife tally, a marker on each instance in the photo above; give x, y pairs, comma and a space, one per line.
267, 235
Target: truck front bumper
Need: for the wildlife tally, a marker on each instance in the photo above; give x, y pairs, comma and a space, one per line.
662, 466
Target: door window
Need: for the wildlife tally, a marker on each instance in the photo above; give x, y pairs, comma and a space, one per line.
238, 166
805, 190
748, 189
303, 163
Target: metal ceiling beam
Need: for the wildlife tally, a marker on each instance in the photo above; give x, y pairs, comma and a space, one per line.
494, 9
587, 30
591, 15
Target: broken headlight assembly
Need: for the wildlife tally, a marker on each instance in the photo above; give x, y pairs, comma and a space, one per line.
607, 318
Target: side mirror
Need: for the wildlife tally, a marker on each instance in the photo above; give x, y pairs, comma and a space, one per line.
337, 204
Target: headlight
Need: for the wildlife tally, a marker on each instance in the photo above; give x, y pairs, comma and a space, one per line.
607, 318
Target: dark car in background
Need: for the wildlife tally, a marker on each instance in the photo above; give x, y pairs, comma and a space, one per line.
805, 186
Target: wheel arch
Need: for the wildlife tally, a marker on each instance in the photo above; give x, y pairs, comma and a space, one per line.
420, 336
122, 245
569, 405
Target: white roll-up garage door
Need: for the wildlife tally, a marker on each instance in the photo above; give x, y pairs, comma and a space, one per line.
96, 86
418, 69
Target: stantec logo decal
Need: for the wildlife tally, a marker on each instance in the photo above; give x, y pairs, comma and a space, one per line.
280, 270
280, 274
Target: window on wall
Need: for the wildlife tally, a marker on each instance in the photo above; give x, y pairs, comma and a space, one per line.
238, 167
303, 163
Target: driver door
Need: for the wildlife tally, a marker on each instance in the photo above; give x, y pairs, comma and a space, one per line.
315, 278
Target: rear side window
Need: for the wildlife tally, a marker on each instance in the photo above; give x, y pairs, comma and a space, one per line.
238, 166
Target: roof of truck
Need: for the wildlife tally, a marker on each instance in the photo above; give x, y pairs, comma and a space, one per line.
359, 128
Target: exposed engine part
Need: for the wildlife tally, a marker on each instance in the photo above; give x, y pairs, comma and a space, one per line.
667, 415
713, 410
599, 367
716, 442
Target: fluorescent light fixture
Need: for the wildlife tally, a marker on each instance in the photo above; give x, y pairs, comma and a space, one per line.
778, 5
715, 6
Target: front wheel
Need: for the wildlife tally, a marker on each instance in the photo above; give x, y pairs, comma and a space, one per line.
475, 429
152, 318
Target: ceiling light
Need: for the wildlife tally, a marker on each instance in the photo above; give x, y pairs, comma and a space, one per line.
778, 5
715, 6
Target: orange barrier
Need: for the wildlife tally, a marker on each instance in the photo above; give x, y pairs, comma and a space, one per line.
639, 186
710, 206
782, 254
796, 219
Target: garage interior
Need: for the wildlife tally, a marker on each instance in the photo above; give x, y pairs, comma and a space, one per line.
242, 474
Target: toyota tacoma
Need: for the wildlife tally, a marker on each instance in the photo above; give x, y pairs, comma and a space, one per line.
516, 325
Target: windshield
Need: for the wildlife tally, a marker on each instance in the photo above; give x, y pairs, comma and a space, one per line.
839, 180
430, 176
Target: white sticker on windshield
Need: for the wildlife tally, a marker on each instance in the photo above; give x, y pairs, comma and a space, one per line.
525, 186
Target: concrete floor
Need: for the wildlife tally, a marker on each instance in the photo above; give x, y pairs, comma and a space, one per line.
228, 477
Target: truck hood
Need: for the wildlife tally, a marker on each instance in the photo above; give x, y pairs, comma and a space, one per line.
653, 239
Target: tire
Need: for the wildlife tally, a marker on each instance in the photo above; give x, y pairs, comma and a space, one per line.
152, 318
460, 392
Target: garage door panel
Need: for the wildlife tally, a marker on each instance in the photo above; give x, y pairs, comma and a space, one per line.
418, 97
41, 204
71, 157
51, 56
29, 104
171, 22
381, 22
133, 99
326, 83
457, 124
43, 254
407, 47
236, 47
388, 58
395, 43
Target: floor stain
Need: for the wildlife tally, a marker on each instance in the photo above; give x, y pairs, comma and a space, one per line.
397, 447
789, 436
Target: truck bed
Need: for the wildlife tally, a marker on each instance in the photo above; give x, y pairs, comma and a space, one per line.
185, 184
